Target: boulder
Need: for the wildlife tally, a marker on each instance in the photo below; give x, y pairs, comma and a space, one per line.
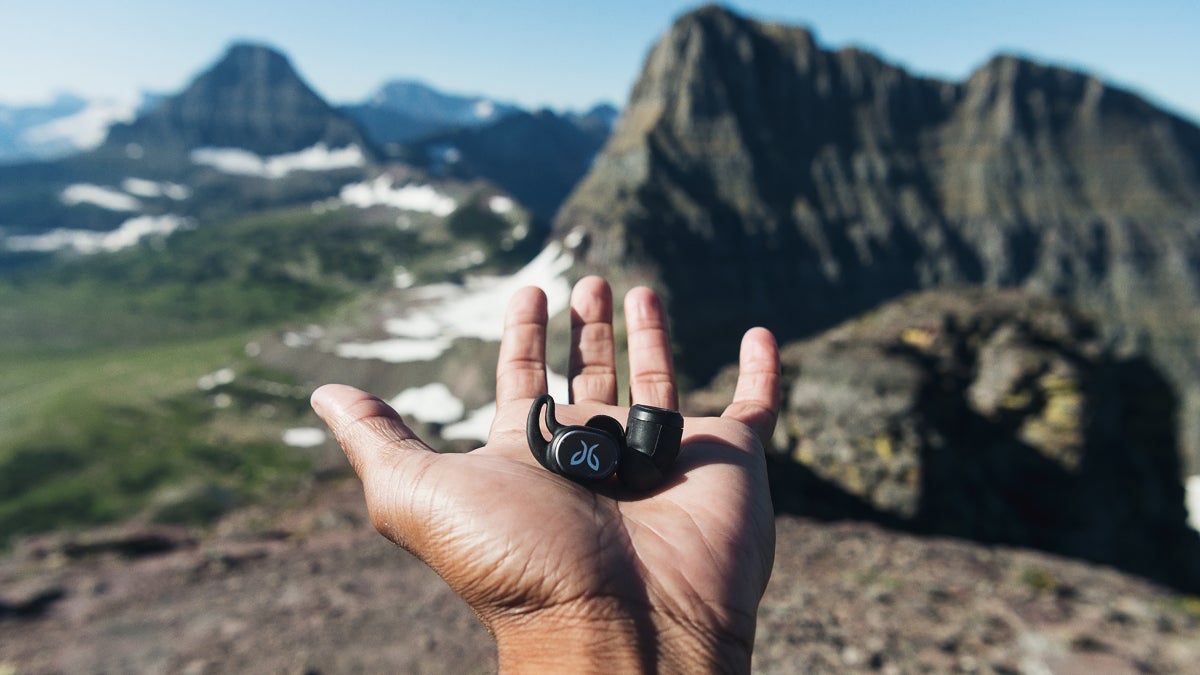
997, 417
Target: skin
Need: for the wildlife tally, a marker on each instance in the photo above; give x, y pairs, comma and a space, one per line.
570, 578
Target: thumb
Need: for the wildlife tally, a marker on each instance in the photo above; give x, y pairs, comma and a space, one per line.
382, 450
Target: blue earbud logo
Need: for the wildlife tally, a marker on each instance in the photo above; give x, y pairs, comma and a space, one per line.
587, 454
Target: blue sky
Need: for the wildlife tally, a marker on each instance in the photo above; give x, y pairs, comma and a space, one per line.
560, 54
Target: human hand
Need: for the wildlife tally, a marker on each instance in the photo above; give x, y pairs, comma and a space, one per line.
573, 578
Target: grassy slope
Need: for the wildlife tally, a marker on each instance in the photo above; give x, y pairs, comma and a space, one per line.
100, 415
96, 437
247, 272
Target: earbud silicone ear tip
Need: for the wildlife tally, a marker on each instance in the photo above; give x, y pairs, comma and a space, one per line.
608, 425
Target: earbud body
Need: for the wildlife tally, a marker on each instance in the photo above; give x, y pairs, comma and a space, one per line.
582, 453
652, 439
639, 454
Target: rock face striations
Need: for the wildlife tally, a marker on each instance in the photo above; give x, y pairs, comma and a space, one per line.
769, 181
251, 99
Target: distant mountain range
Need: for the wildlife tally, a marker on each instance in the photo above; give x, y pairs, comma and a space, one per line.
253, 100
400, 112
405, 111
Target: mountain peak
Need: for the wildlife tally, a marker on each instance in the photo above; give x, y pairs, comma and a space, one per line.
241, 48
723, 22
255, 62
710, 15
252, 98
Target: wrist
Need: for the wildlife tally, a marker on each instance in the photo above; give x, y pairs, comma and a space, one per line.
567, 640
565, 644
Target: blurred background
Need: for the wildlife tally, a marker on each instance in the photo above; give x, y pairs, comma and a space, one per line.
974, 228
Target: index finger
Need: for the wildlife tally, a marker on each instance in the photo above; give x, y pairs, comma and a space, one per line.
521, 368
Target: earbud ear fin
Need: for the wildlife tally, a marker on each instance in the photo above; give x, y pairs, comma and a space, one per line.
533, 428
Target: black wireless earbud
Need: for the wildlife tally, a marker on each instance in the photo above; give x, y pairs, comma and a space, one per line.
640, 454
588, 452
652, 438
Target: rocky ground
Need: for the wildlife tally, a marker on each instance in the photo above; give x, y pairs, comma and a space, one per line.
852, 597
311, 588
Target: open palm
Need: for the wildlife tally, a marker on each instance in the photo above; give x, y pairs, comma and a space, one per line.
568, 574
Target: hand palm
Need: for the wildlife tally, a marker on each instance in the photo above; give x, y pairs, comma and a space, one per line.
542, 541
515, 541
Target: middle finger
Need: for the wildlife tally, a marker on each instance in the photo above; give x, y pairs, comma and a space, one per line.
592, 371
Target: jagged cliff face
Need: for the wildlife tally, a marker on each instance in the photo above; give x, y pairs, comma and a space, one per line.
763, 180
251, 99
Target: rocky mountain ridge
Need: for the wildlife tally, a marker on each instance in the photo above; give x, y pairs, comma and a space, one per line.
774, 182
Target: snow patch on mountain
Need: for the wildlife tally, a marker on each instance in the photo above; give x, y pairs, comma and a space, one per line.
500, 204
431, 403
474, 427
129, 233
97, 195
484, 109
447, 312
402, 278
383, 192
395, 350
240, 162
476, 309
477, 425
419, 326
149, 189
83, 130
303, 437
303, 338
217, 378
